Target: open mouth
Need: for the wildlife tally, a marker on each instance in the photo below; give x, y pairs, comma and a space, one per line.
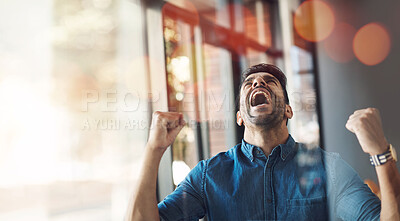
259, 98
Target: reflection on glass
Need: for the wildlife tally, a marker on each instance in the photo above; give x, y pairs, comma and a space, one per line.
65, 153
181, 94
305, 98
218, 101
201, 68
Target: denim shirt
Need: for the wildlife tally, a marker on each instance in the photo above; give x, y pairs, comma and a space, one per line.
293, 183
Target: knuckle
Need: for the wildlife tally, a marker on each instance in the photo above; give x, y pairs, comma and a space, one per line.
363, 119
156, 114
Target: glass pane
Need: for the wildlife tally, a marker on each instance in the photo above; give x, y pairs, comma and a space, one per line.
182, 95
73, 113
305, 124
228, 33
218, 98
305, 98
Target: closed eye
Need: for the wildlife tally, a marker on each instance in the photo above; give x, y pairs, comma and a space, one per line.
247, 83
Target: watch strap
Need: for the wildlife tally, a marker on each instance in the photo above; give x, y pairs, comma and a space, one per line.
380, 159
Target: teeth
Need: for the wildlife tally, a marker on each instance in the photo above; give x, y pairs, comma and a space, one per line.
261, 92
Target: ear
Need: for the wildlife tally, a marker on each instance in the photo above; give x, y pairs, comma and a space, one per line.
239, 119
288, 112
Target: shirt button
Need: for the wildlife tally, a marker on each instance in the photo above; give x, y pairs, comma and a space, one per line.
269, 201
268, 165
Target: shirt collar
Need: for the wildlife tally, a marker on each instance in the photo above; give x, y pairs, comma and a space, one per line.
286, 148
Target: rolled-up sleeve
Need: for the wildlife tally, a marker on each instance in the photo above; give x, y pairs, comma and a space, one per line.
186, 202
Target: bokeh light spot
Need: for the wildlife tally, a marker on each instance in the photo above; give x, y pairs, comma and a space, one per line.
338, 45
371, 44
314, 20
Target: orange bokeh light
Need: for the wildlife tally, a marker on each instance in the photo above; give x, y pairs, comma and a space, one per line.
338, 45
371, 44
314, 20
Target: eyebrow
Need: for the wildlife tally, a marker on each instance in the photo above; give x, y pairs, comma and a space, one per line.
265, 77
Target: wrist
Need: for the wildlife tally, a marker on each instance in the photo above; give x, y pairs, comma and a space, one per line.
154, 150
385, 157
382, 148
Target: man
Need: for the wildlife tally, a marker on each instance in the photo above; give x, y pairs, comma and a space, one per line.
269, 176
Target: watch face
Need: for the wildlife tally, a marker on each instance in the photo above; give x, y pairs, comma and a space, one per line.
394, 154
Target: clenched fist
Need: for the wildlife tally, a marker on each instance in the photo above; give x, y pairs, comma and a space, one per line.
165, 127
366, 124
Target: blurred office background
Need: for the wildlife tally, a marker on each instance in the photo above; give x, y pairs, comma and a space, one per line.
79, 80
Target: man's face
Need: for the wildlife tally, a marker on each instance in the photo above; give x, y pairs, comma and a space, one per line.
262, 101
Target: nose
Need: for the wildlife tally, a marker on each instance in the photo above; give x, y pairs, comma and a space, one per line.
259, 81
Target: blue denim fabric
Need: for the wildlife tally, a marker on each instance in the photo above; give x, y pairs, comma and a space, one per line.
292, 183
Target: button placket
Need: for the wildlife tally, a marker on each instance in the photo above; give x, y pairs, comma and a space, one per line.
269, 205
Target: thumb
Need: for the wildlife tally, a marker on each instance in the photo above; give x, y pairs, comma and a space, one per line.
349, 126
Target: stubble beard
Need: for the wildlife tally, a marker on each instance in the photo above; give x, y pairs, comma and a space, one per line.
268, 121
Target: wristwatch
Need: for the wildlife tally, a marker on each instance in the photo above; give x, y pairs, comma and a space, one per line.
380, 159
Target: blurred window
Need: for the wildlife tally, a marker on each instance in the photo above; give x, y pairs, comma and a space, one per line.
73, 114
207, 46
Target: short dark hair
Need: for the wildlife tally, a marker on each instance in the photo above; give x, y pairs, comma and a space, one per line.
268, 68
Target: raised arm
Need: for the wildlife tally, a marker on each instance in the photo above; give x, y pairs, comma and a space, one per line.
165, 128
367, 126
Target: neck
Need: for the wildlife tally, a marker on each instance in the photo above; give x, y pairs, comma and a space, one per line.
266, 139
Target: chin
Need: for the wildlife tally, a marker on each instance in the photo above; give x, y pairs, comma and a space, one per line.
267, 123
